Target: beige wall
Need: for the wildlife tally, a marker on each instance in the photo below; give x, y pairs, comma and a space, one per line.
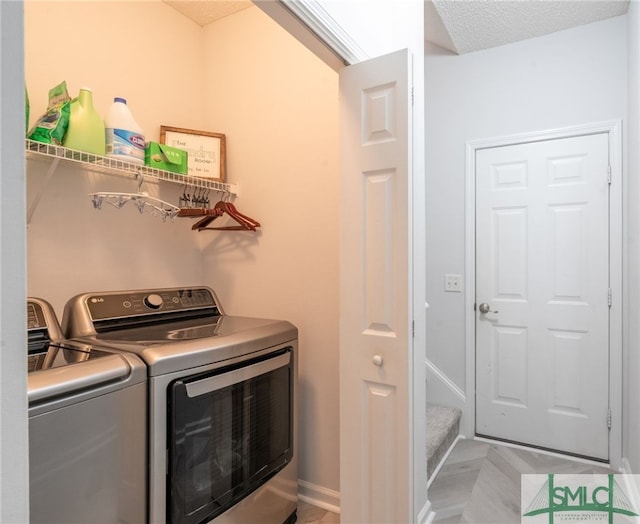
117, 49
143, 51
277, 104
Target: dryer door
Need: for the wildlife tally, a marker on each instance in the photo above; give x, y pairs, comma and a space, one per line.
229, 431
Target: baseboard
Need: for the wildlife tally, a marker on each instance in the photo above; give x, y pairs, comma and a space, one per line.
443, 459
426, 515
329, 499
319, 496
631, 486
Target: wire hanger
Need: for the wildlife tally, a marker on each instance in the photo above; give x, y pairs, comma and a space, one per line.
141, 199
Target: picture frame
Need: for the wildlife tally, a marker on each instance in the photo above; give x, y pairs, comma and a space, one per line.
206, 151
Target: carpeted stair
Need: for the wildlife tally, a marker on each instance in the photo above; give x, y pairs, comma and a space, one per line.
443, 426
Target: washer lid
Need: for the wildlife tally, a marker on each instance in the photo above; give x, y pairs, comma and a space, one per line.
65, 370
189, 329
50, 355
189, 344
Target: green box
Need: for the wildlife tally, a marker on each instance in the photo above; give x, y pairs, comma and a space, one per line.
167, 158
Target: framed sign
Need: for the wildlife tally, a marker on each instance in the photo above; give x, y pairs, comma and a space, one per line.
206, 151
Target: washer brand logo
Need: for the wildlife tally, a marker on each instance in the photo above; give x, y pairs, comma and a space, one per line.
97, 300
579, 498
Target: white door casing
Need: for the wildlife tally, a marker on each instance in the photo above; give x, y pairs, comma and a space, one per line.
375, 292
14, 441
542, 262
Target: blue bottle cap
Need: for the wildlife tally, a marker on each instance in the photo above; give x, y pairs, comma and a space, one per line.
117, 99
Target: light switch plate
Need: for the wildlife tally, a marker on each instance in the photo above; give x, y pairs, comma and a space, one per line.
453, 283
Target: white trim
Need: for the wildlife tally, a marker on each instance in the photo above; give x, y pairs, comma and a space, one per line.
552, 134
442, 377
320, 23
614, 130
319, 496
468, 428
316, 29
443, 460
631, 486
14, 436
615, 275
301, 32
426, 514
626, 467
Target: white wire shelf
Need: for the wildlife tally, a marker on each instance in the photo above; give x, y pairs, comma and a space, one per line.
112, 166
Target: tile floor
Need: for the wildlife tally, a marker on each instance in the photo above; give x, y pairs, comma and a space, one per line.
308, 514
479, 482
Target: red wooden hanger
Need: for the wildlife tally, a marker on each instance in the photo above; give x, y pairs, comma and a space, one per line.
243, 221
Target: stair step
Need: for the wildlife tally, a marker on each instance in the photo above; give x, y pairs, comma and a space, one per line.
443, 426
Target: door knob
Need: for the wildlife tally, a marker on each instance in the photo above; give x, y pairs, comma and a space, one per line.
377, 360
485, 308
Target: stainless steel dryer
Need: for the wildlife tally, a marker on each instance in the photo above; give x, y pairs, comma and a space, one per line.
222, 391
87, 428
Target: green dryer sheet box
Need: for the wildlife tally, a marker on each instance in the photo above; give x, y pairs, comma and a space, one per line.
167, 158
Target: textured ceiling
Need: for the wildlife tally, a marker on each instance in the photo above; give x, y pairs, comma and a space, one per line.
461, 26
203, 12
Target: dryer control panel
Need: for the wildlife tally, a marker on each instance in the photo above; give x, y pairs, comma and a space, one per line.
144, 302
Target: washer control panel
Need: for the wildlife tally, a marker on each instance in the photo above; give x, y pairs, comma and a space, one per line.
153, 301
137, 303
35, 316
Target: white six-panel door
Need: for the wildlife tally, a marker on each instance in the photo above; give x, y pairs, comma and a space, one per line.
375, 344
542, 269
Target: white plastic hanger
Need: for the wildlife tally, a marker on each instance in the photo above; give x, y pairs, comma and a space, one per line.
141, 199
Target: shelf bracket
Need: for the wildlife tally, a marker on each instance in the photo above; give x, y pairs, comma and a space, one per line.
36, 200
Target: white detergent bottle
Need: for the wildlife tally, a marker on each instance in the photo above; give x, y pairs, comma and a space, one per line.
124, 137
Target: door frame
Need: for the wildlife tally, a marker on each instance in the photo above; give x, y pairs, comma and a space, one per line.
315, 28
614, 130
